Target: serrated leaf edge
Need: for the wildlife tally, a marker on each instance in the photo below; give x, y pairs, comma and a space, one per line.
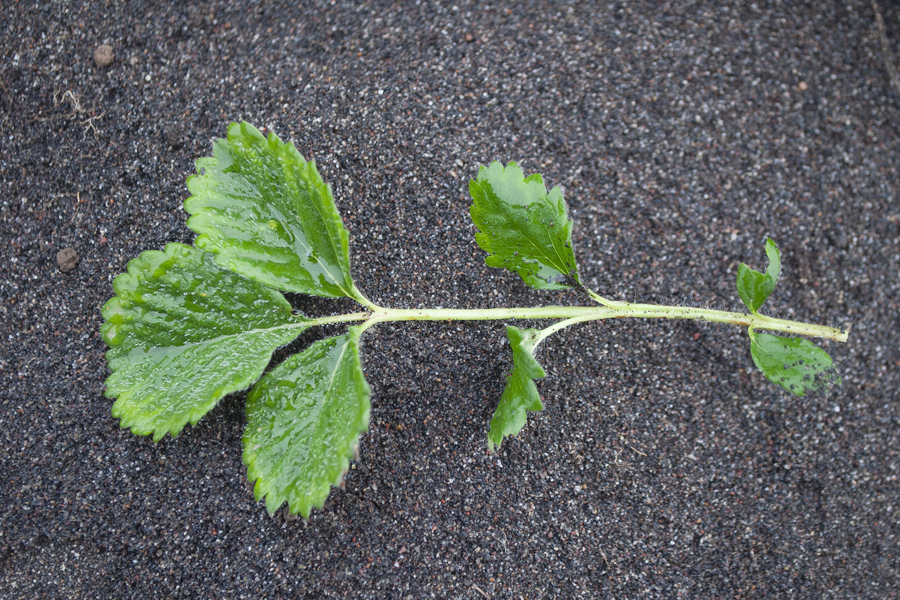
483, 238
198, 221
135, 272
525, 338
261, 487
768, 279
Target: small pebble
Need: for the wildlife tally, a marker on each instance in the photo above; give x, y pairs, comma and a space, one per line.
802, 86
133, 61
104, 56
837, 237
67, 259
174, 139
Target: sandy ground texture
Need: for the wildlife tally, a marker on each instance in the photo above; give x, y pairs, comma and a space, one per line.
664, 464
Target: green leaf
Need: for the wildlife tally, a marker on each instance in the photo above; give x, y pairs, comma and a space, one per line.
183, 333
266, 214
523, 228
520, 393
755, 287
795, 364
303, 424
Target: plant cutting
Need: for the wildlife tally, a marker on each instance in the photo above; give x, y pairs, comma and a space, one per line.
192, 323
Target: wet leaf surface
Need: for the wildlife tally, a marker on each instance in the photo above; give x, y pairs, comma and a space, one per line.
303, 424
266, 214
183, 333
523, 227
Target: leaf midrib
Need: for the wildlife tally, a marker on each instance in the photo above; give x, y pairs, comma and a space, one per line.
317, 427
503, 206
334, 249
299, 187
304, 165
226, 336
337, 366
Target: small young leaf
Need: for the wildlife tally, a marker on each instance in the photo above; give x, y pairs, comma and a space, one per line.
183, 333
303, 424
523, 228
755, 287
793, 363
520, 393
266, 214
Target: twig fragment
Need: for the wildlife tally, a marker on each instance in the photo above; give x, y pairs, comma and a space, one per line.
886, 48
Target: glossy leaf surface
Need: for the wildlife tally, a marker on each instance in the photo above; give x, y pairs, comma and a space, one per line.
303, 424
795, 364
183, 333
523, 227
266, 214
754, 287
520, 393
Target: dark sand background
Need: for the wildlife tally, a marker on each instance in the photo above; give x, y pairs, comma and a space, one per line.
664, 465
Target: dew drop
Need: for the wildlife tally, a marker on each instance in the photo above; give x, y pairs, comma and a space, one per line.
273, 223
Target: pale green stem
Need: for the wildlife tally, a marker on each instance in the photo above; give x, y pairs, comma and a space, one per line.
359, 316
575, 314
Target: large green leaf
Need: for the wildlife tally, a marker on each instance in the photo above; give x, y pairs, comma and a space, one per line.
520, 393
795, 364
303, 424
523, 228
266, 214
183, 333
754, 287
